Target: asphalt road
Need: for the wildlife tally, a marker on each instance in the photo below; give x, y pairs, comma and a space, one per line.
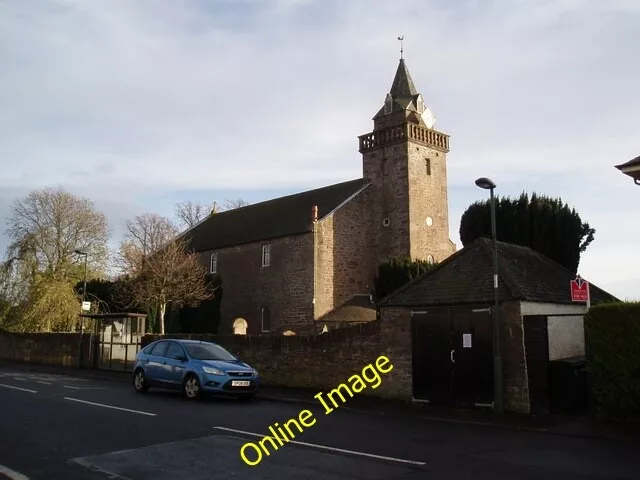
60, 427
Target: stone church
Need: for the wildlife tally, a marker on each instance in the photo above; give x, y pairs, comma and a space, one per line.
295, 264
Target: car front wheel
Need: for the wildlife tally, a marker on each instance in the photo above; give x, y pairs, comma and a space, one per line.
191, 387
140, 381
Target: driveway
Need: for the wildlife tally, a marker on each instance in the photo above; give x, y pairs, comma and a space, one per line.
58, 426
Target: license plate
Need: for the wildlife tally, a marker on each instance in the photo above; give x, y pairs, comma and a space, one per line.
240, 383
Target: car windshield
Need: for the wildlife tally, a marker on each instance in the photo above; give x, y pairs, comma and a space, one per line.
208, 351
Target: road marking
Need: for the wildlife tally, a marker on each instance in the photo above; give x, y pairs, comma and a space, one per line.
12, 474
110, 406
18, 388
87, 464
333, 449
21, 379
44, 383
82, 388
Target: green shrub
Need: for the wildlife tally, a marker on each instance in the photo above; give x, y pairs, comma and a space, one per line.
397, 272
612, 336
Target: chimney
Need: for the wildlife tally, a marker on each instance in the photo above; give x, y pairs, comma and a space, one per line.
314, 213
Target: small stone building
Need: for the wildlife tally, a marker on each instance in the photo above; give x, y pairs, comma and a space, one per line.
446, 317
287, 262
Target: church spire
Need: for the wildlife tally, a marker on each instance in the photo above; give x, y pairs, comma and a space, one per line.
403, 86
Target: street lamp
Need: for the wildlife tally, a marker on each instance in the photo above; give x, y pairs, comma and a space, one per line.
84, 288
487, 184
84, 295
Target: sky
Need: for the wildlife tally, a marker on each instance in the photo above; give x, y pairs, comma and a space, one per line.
140, 105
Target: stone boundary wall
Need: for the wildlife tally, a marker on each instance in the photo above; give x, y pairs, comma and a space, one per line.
44, 348
315, 361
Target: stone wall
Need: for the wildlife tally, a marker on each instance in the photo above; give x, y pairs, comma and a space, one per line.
404, 193
388, 200
428, 199
514, 363
285, 287
320, 362
345, 257
44, 348
395, 340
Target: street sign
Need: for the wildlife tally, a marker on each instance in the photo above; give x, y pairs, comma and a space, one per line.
86, 306
579, 290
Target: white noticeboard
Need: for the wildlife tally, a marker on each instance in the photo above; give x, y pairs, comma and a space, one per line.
86, 306
466, 340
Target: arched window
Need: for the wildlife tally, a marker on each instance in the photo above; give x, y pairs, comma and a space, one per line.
289, 333
430, 259
240, 326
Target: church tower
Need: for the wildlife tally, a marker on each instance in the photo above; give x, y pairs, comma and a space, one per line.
405, 159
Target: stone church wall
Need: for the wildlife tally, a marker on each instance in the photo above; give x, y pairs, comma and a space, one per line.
345, 255
285, 287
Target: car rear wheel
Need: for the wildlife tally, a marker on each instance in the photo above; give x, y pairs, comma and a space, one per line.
140, 381
191, 387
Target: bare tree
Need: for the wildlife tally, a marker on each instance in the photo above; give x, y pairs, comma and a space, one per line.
171, 275
48, 225
190, 213
149, 232
233, 204
145, 235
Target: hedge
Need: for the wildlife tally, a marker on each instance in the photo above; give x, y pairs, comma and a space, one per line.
612, 336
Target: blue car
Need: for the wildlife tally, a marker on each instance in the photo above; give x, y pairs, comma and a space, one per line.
193, 367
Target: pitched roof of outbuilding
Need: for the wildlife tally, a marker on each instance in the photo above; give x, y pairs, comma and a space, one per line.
466, 277
358, 308
274, 218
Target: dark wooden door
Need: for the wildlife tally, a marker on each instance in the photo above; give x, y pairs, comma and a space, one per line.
431, 359
453, 356
472, 353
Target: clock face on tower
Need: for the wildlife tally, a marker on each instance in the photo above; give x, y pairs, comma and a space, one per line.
428, 117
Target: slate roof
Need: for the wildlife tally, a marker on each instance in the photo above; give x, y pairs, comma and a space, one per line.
466, 277
403, 86
270, 219
403, 91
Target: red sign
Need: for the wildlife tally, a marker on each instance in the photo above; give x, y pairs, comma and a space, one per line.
579, 290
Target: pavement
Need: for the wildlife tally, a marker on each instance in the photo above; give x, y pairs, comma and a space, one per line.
79, 425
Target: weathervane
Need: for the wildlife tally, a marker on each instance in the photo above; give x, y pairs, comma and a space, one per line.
401, 38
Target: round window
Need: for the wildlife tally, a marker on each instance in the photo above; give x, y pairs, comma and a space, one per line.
429, 221
386, 222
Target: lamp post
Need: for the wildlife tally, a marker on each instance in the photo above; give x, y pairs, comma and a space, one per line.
488, 184
84, 287
84, 295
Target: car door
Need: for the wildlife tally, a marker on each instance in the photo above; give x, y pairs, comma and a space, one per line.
156, 362
175, 364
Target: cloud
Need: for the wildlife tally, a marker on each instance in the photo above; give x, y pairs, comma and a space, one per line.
145, 98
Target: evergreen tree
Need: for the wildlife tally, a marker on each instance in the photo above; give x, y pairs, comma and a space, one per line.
547, 225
